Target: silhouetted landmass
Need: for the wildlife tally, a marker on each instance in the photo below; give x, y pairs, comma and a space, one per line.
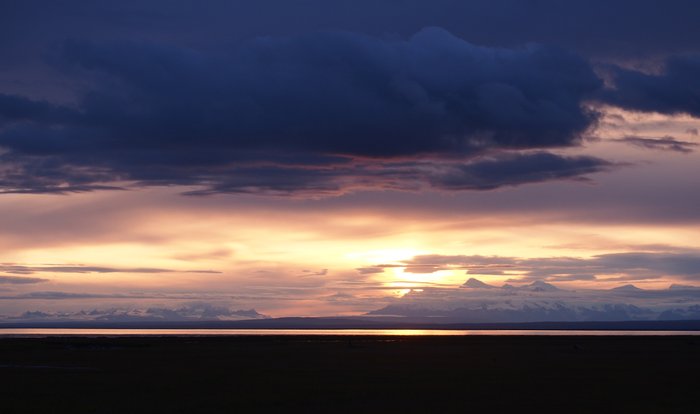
331, 374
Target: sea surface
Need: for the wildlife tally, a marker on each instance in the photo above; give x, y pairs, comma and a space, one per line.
50, 332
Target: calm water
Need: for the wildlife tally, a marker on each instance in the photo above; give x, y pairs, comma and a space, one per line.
28, 332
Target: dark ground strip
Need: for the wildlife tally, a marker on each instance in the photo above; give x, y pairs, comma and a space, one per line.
358, 375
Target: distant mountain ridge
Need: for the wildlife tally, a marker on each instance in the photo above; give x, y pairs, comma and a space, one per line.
473, 302
477, 284
537, 285
478, 302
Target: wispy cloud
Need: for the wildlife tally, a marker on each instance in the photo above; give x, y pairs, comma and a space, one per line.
15, 280
32, 269
663, 144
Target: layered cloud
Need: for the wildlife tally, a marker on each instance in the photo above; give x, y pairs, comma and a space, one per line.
611, 267
666, 143
16, 280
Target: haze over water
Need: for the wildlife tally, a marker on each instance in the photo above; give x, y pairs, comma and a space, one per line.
29, 332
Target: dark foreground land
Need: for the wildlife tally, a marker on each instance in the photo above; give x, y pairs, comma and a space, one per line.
358, 375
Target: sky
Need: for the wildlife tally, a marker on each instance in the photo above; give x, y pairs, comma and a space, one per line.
174, 160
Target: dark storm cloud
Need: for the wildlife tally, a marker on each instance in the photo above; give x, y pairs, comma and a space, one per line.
17, 108
478, 174
318, 113
664, 143
344, 93
319, 97
328, 93
518, 169
676, 89
625, 266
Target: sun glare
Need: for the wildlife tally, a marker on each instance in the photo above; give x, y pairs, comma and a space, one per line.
384, 256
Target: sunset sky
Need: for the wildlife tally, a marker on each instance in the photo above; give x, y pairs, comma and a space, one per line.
318, 158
